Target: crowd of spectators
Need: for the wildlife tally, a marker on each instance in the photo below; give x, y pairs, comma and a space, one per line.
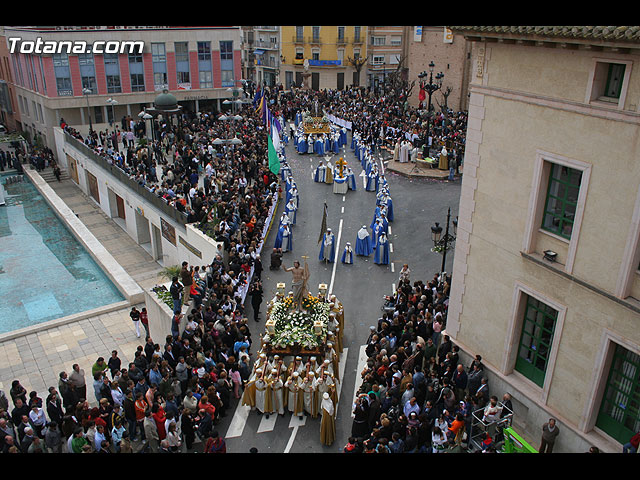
174, 391
224, 188
416, 395
382, 119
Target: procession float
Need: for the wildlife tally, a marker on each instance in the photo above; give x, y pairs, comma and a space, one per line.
292, 331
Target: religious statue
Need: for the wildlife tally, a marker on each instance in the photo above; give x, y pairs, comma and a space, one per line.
300, 277
306, 75
341, 164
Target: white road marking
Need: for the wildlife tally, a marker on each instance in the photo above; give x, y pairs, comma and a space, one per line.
335, 259
291, 439
391, 247
296, 421
267, 424
392, 268
362, 361
239, 421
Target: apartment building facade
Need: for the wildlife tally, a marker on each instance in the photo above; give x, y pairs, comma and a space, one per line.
261, 54
323, 57
546, 278
132, 66
9, 112
387, 51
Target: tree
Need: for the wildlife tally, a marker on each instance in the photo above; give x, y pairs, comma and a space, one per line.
445, 93
357, 63
397, 83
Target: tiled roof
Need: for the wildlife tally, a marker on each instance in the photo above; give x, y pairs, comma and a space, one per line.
605, 34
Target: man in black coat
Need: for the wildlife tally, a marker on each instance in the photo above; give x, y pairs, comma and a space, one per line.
135, 373
421, 328
149, 348
256, 293
374, 410
20, 410
54, 406
225, 396
188, 430
68, 392
460, 382
276, 259
474, 378
445, 347
129, 408
257, 267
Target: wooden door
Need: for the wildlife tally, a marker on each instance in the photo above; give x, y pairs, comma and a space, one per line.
120, 206
93, 187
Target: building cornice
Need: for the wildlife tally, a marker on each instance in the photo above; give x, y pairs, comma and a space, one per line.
586, 36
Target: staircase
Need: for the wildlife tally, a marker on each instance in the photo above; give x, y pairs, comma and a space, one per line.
49, 177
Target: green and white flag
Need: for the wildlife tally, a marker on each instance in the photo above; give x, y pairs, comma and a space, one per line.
274, 146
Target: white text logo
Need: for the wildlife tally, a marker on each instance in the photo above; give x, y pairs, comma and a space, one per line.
39, 46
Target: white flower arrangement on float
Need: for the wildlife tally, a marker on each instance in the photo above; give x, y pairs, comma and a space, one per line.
297, 327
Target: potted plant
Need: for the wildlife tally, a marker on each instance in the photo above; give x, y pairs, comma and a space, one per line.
169, 272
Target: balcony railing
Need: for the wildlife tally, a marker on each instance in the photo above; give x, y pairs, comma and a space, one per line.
152, 198
339, 40
265, 45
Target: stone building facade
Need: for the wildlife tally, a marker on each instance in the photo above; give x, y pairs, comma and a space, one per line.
546, 279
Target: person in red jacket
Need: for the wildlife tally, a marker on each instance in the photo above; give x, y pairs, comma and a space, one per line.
215, 444
157, 413
144, 319
632, 445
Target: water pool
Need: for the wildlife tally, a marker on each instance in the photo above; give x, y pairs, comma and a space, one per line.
45, 273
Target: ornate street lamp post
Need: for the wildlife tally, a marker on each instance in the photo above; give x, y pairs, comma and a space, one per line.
441, 244
113, 102
430, 87
229, 141
87, 92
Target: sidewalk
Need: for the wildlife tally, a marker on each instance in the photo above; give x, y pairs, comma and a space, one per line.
415, 170
36, 359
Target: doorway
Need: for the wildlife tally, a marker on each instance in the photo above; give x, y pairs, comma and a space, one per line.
143, 231
157, 245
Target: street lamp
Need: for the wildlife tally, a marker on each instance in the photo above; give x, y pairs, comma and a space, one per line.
430, 88
237, 94
149, 117
113, 103
229, 141
87, 92
443, 243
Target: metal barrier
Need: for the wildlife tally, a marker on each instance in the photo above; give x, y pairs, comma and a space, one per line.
495, 429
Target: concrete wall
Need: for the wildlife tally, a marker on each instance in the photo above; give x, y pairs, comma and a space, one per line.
141, 217
160, 316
